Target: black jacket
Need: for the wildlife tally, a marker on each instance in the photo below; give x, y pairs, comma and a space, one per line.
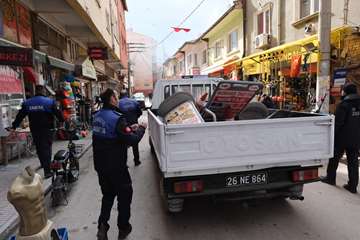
347, 122
41, 111
110, 155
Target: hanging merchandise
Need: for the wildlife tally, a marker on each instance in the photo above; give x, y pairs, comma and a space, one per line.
68, 101
295, 66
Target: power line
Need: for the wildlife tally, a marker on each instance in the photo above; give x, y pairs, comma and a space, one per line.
182, 22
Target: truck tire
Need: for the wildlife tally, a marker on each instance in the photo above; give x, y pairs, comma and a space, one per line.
253, 110
173, 101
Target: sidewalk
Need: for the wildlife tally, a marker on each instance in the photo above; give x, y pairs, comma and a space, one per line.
8, 216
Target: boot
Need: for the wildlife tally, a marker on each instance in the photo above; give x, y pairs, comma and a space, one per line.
350, 189
102, 232
124, 232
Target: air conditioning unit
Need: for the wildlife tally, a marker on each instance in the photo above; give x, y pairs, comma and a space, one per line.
262, 41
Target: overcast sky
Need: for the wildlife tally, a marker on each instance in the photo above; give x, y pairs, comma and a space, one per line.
155, 19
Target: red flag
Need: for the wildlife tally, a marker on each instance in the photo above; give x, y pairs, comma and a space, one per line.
177, 29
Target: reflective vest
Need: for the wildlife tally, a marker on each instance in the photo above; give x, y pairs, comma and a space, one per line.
104, 124
39, 104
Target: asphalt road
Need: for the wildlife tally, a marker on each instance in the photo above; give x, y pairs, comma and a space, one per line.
326, 213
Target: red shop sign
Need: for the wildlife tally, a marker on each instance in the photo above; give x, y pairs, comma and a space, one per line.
10, 82
15, 56
98, 53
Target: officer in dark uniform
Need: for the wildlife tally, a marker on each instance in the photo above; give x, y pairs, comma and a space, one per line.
347, 138
132, 111
111, 137
41, 111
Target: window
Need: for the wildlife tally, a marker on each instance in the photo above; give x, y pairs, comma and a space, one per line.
174, 70
204, 57
195, 59
264, 21
107, 21
218, 49
233, 41
166, 92
308, 7
189, 60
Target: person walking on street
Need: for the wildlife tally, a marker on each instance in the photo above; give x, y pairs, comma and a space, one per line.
41, 111
347, 138
132, 111
111, 137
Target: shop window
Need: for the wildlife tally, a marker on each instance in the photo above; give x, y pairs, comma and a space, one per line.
308, 7
233, 41
264, 20
204, 57
218, 49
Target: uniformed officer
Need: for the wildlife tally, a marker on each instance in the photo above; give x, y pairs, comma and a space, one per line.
347, 138
41, 111
111, 137
132, 111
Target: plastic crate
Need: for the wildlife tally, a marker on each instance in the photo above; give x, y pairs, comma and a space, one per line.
63, 233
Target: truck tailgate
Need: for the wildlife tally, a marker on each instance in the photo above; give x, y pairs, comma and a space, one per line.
209, 148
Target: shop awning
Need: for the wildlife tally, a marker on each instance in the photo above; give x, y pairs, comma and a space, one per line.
231, 65
212, 69
302, 46
86, 68
42, 57
61, 64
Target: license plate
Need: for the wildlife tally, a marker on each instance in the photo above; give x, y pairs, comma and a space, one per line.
246, 179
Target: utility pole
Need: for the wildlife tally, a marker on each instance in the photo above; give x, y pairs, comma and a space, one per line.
133, 47
323, 77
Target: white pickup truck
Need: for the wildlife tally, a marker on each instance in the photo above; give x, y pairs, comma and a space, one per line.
249, 159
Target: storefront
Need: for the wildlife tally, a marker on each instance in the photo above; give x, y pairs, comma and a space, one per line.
289, 71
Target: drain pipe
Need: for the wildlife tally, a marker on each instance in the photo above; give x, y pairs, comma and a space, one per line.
279, 6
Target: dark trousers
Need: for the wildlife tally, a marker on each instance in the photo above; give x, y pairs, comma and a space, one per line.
112, 187
352, 164
43, 140
135, 149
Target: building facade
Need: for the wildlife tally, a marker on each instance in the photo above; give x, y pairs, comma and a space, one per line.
225, 43
142, 62
75, 49
196, 56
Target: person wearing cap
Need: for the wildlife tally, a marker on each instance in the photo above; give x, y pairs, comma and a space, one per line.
42, 112
132, 111
347, 138
111, 137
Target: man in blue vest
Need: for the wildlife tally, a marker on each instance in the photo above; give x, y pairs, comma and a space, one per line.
41, 111
132, 111
111, 137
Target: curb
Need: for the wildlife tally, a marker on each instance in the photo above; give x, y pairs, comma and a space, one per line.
13, 223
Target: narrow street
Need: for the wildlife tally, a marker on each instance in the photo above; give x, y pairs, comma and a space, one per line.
326, 213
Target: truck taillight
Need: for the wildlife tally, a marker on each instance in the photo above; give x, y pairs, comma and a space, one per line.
305, 175
189, 186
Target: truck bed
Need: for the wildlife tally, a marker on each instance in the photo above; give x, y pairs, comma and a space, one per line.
233, 146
